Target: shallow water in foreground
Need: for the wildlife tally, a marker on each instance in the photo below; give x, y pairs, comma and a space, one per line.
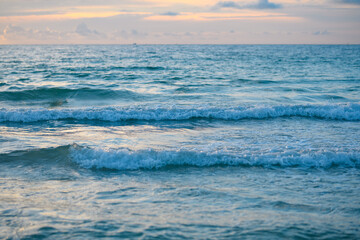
180, 142
186, 202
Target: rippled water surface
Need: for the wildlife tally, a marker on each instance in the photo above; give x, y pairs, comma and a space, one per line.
180, 142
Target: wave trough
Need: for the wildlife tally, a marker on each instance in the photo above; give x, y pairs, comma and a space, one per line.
56, 93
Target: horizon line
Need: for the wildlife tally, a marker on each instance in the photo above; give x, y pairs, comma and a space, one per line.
142, 44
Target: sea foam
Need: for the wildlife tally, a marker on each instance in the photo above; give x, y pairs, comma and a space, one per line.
126, 159
349, 112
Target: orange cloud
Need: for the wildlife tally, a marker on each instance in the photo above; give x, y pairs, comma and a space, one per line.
69, 15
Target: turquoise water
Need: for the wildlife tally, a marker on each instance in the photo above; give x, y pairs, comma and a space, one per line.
180, 141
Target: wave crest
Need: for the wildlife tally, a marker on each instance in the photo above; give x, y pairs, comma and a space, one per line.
125, 159
348, 112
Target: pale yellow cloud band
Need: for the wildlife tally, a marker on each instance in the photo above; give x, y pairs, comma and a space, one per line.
69, 15
186, 16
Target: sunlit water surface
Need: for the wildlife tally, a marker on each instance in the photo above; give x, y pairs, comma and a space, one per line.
180, 142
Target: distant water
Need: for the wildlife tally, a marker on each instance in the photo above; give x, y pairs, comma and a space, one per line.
180, 142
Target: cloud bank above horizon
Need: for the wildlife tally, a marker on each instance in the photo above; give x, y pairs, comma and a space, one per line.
180, 22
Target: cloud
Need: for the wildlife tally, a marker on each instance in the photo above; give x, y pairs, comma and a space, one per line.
130, 34
30, 13
265, 4
20, 7
261, 4
13, 29
318, 33
83, 30
355, 2
215, 16
13, 34
170, 14
18, 34
86, 34
228, 4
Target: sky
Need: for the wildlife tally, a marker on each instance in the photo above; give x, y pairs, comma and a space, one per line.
179, 22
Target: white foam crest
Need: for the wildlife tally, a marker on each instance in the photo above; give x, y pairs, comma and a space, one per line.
349, 111
125, 159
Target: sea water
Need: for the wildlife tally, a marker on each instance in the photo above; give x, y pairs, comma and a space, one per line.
180, 141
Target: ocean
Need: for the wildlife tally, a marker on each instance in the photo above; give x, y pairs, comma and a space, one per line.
180, 141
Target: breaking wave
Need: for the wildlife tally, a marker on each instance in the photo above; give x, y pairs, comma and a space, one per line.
347, 112
127, 159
